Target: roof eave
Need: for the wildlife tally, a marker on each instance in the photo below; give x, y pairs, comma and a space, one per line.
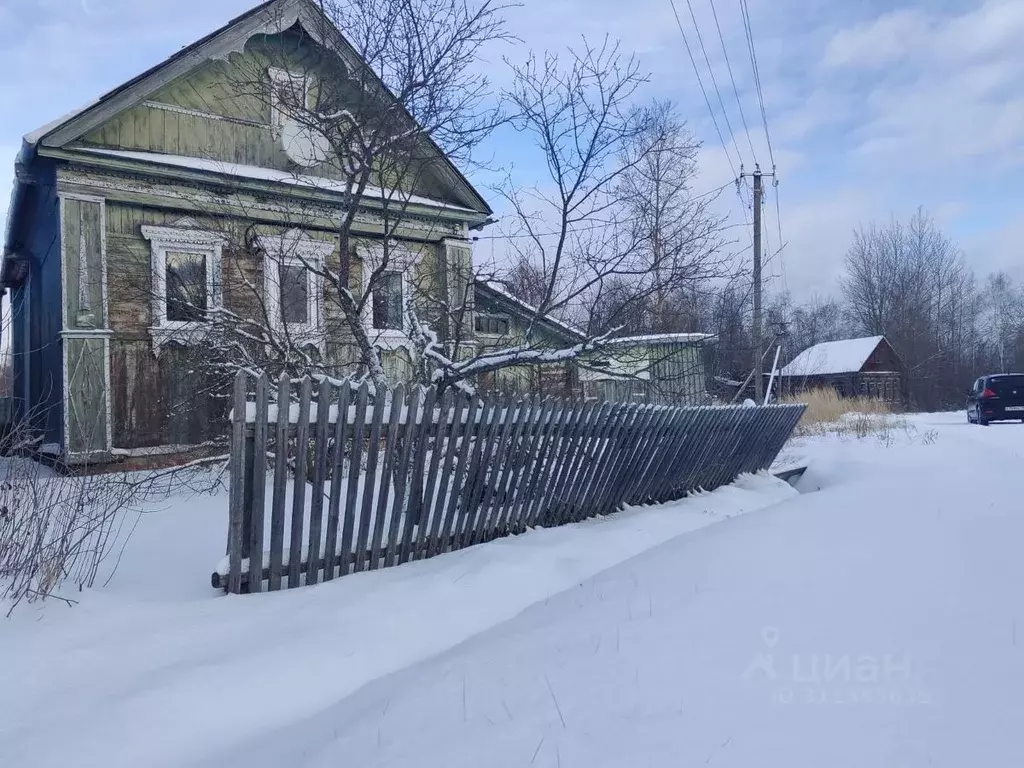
22, 163
243, 184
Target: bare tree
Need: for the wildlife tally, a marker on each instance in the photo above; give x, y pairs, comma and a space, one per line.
377, 111
909, 283
678, 235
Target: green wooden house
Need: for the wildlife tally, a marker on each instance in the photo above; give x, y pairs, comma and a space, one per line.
129, 196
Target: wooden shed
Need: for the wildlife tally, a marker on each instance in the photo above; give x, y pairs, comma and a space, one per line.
867, 366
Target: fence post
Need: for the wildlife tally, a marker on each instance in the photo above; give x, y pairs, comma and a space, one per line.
240, 490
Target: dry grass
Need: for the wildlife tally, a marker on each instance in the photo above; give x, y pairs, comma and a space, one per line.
827, 413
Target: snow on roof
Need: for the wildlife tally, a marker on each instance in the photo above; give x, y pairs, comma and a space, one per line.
33, 137
264, 174
661, 338
499, 289
832, 357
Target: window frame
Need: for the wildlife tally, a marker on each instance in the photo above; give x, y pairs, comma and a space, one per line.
183, 237
496, 317
401, 259
295, 248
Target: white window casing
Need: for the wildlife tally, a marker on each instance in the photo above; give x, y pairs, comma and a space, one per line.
400, 258
186, 239
295, 248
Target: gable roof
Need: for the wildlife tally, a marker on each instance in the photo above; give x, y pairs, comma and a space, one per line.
496, 294
833, 357
271, 17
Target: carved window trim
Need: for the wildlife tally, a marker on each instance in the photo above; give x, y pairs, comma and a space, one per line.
186, 237
402, 259
295, 248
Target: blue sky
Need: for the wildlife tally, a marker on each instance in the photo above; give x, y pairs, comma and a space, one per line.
874, 109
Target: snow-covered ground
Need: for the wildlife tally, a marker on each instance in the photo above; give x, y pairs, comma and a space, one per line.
872, 620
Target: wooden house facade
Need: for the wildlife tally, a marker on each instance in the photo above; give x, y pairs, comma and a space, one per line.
120, 201
866, 367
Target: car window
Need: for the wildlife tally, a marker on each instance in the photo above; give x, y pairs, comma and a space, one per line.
1005, 386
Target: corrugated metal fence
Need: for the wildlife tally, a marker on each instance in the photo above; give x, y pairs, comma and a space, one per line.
410, 478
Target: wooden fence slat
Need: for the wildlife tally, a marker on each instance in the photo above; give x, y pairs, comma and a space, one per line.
573, 508
625, 444
740, 441
598, 461
401, 476
521, 497
237, 490
470, 501
440, 521
458, 479
499, 492
647, 445
364, 518
606, 441
391, 457
635, 455
487, 472
596, 495
549, 463
259, 484
492, 467
284, 399
414, 513
575, 439
352, 519
316, 505
664, 475
299, 484
431, 519
337, 475
712, 445
696, 439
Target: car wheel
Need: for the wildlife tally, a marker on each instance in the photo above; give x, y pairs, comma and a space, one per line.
982, 420
970, 418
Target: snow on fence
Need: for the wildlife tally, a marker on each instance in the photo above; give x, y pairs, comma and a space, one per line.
318, 496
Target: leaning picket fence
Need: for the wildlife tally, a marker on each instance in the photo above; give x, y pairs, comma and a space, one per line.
327, 480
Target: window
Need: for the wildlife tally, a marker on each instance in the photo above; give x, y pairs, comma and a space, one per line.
186, 296
389, 302
294, 294
496, 325
186, 279
293, 283
385, 306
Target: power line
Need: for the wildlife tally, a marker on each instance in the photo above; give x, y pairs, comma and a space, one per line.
714, 80
782, 245
700, 82
757, 76
735, 90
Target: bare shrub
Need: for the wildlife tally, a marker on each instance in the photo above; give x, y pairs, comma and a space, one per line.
56, 529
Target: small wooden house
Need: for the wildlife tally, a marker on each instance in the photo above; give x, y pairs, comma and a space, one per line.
868, 367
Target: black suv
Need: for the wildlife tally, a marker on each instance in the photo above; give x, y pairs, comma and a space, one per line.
999, 397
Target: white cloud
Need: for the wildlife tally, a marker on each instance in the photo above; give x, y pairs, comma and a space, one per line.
880, 42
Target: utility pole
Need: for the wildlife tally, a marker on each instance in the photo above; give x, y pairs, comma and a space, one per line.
757, 330
758, 344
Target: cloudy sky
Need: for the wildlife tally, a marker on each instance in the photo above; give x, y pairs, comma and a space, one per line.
873, 108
